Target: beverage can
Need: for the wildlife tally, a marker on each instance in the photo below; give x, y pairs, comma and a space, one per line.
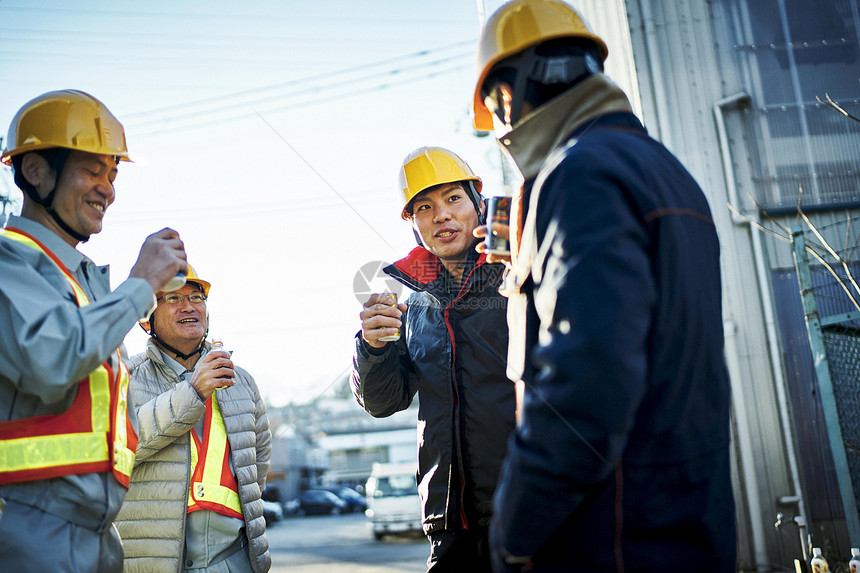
393, 302
177, 282
498, 211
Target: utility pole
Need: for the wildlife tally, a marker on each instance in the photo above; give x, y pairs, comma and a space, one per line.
5, 201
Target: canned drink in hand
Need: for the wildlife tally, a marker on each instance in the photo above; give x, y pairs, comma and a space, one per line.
176, 283
498, 211
218, 344
393, 302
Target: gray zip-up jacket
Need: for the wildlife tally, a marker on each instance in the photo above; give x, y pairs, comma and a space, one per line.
152, 519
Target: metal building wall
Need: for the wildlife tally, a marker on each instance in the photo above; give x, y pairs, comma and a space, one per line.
608, 19
684, 83
687, 86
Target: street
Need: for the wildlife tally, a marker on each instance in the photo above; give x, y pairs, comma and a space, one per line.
335, 543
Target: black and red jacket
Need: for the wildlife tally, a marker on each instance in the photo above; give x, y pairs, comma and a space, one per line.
452, 353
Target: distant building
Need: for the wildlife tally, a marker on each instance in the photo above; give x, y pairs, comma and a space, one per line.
332, 441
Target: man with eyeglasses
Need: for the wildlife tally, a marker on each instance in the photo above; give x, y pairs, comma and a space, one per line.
194, 503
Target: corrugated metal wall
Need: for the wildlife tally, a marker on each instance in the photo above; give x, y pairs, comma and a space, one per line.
694, 100
676, 61
686, 91
608, 19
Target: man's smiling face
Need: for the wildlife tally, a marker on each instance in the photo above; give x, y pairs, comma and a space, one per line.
85, 191
181, 325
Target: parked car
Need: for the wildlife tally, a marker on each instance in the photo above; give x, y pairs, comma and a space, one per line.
355, 502
272, 512
291, 506
320, 502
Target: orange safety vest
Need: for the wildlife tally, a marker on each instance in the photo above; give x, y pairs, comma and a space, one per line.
94, 435
213, 486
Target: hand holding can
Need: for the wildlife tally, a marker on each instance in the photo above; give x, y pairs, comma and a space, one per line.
396, 336
176, 283
218, 346
498, 211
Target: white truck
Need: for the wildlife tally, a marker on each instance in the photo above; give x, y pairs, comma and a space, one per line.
393, 505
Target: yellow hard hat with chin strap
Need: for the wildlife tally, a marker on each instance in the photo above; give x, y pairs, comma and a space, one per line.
428, 167
518, 25
70, 119
54, 124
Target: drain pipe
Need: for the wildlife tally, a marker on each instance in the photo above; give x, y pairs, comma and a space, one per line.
744, 433
719, 107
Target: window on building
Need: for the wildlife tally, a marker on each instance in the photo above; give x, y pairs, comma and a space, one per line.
788, 53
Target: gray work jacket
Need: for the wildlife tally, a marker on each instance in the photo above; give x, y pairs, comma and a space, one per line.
48, 345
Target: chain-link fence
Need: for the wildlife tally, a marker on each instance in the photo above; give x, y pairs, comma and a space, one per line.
831, 302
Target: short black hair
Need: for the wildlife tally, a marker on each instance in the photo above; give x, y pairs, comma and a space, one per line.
411, 203
537, 94
56, 158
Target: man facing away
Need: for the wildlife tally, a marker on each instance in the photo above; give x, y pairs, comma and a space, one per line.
451, 353
67, 439
194, 501
621, 458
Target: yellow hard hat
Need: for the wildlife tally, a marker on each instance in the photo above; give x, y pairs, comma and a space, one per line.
192, 277
430, 166
70, 119
520, 24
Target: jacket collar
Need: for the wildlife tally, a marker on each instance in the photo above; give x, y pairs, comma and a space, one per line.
164, 360
70, 256
534, 138
420, 269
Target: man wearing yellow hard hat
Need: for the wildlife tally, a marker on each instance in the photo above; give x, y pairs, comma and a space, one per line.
446, 344
621, 459
204, 449
67, 439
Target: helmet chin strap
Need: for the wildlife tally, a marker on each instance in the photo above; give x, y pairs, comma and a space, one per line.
566, 70
477, 201
169, 348
63, 225
48, 202
176, 352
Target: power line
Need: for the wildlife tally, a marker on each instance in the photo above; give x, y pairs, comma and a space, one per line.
314, 203
228, 17
232, 112
339, 74
48, 44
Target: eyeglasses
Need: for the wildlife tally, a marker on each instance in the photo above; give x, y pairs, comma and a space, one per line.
193, 298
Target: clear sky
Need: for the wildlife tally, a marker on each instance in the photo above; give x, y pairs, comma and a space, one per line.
268, 133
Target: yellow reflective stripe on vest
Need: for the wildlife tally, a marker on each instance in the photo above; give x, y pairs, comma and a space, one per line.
217, 494
80, 295
50, 451
123, 456
208, 492
100, 395
35, 452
